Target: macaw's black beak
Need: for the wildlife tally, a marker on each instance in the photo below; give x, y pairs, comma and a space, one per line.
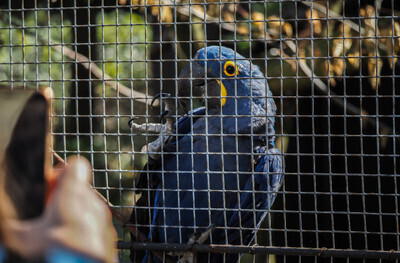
193, 82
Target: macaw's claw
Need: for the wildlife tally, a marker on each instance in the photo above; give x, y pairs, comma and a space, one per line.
198, 237
165, 130
130, 122
165, 113
160, 95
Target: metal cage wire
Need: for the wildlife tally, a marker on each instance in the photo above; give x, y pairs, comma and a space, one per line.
332, 67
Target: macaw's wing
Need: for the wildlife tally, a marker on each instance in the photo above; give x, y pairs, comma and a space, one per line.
257, 197
255, 202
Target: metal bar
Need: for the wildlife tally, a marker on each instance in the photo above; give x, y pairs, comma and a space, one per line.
288, 251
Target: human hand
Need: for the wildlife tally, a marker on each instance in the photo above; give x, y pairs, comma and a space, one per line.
74, 219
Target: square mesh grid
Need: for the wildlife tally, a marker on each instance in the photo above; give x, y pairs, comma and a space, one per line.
332, 67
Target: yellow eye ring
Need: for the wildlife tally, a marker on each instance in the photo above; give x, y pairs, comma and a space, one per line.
230, 69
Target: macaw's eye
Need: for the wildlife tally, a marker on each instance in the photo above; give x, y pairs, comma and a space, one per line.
230, 69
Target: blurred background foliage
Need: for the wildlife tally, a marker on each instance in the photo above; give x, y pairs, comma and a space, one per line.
321, 58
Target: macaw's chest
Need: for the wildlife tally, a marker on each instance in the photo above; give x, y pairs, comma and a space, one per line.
210, 148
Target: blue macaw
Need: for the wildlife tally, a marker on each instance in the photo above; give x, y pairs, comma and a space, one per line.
219, 171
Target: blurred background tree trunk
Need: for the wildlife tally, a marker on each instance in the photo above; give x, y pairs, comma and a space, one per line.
84, 38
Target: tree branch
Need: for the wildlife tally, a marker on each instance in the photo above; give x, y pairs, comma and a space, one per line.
96, 71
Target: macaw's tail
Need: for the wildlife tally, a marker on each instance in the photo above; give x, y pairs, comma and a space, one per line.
139, 216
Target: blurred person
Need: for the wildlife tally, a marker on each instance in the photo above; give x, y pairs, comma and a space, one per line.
46, 214
76, 225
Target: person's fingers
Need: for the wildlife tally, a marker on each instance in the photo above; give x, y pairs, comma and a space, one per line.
79, 169
70, 193
26, 237
75, 175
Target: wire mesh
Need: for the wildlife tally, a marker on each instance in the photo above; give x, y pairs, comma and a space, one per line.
332, 67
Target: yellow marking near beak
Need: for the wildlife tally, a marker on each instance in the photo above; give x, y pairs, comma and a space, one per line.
223, 93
